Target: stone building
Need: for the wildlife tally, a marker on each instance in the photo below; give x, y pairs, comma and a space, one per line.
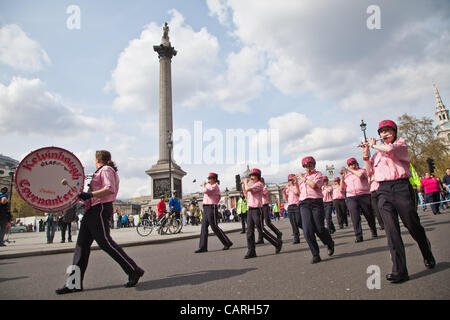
443, 127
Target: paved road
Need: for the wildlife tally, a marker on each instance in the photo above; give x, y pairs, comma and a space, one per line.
173, 271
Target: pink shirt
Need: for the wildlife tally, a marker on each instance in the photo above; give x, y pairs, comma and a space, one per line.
265, 195
106, 177
306, 192
391, 165
211, 194
338, 194
255, 195
357, 186
292, 198
327, 192
430, 185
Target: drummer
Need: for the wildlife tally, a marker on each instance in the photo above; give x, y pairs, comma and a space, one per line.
95, 224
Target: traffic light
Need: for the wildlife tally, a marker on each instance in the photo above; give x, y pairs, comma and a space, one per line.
238, 183
430, 165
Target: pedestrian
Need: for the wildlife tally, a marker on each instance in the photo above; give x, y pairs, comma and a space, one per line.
99, 200
312, 210
431, 188
390, 164
175, 205
254, 195
66, 220
416, 184
327, 192
5, 216
242, 210
266, 212
211, 198
51, 226
358, 197
184, 214
292, 194
115, 220
339, 203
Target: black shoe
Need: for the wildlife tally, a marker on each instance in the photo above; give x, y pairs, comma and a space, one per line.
429, 263
63, 241
2, 245
201, 250
315, 259
381, 228
358, 240
341, 227
278, 248
250, 255
374, 235
65, 290
331, 249
260, 242
70, 240
242, 232
227, 246
296, 241
397, 277
133, 278
279, 236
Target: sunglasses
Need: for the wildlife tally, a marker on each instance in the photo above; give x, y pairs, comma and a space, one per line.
308, 165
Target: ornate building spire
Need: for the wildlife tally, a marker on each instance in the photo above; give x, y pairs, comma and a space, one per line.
443, 127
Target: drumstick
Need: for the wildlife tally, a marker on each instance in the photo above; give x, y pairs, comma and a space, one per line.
65, 183
381, 139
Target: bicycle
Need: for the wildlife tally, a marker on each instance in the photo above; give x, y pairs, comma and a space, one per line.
165, 225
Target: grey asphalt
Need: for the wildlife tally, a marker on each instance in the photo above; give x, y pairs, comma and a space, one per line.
173, 271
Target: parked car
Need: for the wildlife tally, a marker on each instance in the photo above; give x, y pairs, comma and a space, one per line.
15, 229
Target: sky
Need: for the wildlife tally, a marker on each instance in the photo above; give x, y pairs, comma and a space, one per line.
303, 72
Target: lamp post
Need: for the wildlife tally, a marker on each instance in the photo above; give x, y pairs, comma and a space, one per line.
227, 192
11, 174
363, 126
169, 147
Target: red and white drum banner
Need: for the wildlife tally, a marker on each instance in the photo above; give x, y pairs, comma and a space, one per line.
50, 179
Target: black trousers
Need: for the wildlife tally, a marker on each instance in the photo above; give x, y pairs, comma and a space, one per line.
268, 221
395, 200
313, 216
243, 216
341, 212
95, 226
355, 206
296, 221
328, 208
376, 211
66, 226
210, 213
255, 219
433, 197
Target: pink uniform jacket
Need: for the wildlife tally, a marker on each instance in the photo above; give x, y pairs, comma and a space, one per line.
327, 192
211, 194
106, 177
265, 195
292, 197
338, 194
357, 186
391, 165
255, 195
306, 192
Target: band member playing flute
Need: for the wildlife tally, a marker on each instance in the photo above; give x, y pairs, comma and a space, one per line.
390, 164
311, 209
358, 197
327, 192
339, 203
266, 212
292, 195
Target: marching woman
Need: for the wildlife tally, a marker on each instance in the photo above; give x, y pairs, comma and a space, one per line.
311, 209
292, 194
358, 197
96, 222
390, 164
254, 195
211, 197
339, 203
266, 212
327, 192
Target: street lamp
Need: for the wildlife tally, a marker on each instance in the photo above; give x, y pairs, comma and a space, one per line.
11, 174
227, 192
363, 126
169, 147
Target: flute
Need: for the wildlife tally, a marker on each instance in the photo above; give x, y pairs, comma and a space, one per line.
381, 139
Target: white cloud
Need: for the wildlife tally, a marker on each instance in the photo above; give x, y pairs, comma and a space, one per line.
220, 9
21, 52
28, 108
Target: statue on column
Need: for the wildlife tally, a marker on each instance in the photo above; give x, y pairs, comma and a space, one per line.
165, 38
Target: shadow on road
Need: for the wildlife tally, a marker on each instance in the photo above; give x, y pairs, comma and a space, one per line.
10, 279
365, 252
194, 278
440, 266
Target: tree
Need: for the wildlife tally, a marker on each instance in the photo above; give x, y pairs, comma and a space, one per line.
423, 143
20, 208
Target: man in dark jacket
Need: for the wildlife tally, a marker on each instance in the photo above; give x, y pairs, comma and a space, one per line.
65, 223
5, 216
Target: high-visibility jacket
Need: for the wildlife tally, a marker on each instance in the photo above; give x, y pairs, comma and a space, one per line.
275, 208
414, 179
241, 206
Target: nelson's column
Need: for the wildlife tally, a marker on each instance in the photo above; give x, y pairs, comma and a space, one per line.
160, 172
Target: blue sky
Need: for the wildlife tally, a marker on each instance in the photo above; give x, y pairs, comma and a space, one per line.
311, 69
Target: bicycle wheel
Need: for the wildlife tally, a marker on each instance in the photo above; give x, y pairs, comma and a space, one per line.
144, 228
180, 226
172, 226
